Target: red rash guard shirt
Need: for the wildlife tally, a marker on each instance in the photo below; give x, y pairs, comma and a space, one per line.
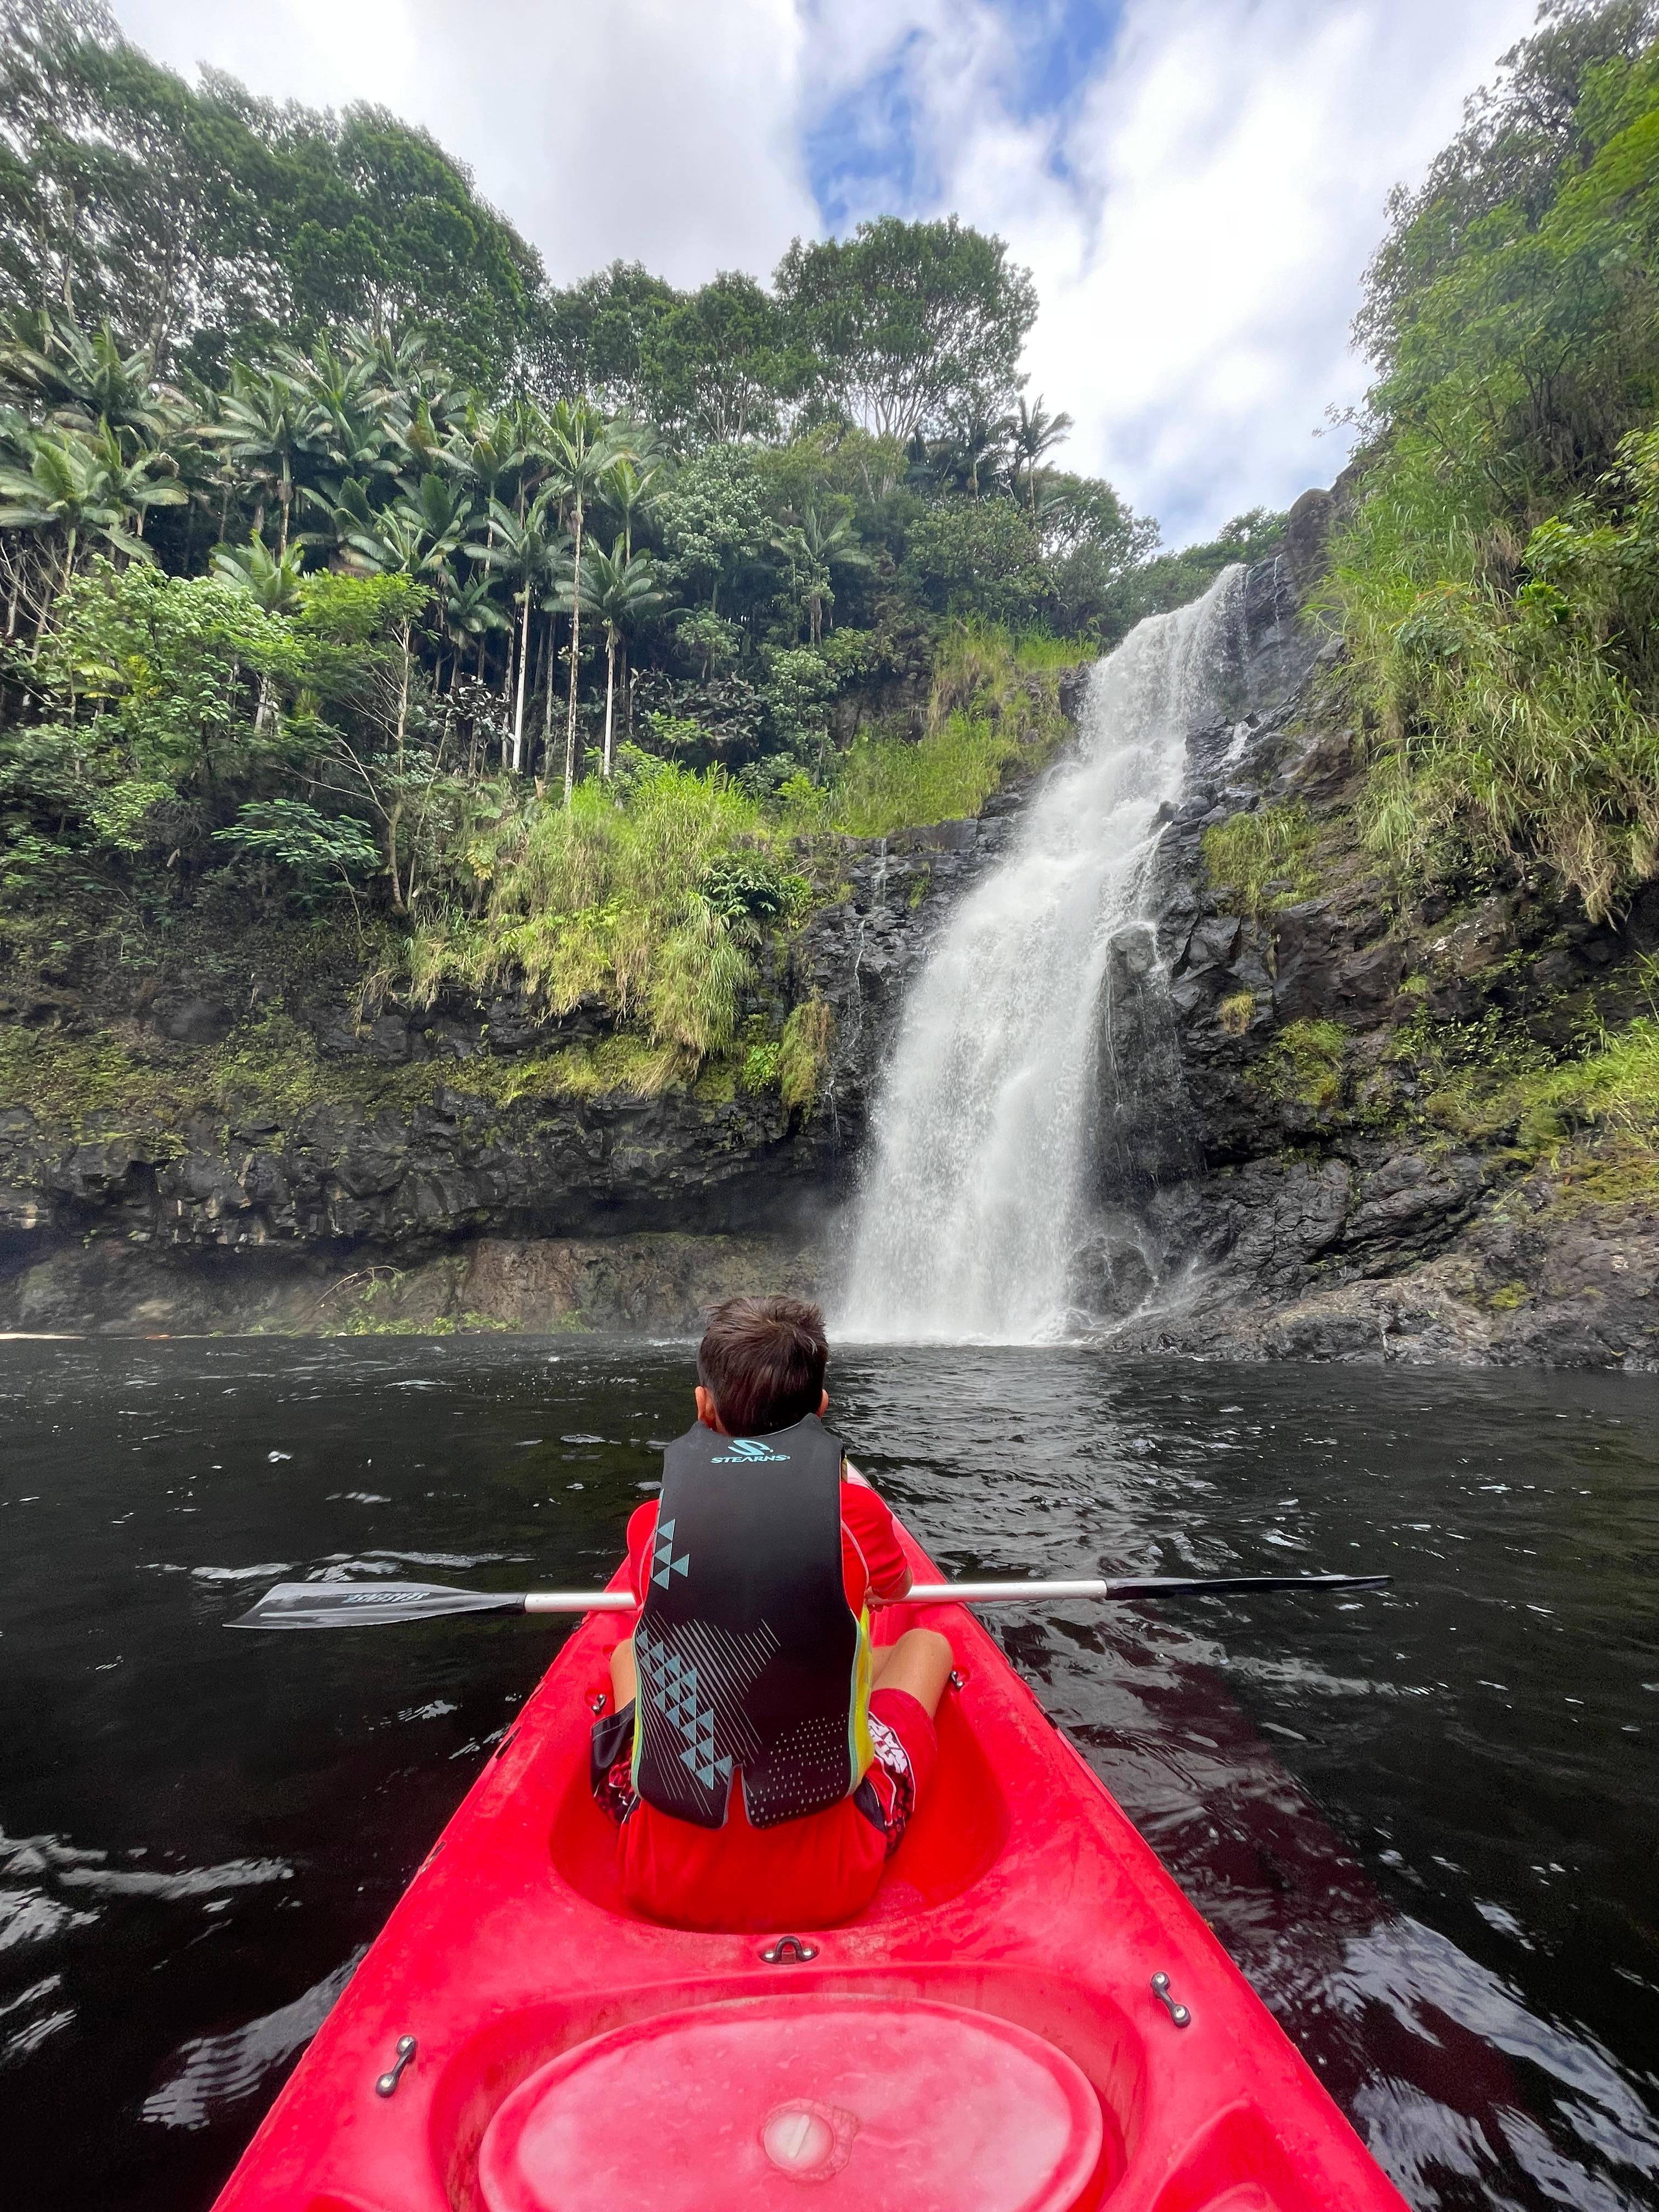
813, 1871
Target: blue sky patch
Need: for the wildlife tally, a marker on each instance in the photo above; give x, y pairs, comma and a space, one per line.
865, 153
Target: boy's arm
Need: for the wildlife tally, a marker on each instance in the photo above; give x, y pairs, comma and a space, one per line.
871, 1525
642, 1527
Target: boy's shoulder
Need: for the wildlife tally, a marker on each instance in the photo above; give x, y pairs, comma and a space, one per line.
861, 1505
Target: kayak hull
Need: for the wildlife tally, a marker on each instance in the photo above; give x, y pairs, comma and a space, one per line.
1021, 1895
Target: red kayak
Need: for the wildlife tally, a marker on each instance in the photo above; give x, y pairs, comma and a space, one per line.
1028, 2017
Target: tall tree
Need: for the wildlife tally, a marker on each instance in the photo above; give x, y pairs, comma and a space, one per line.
718, 366
593, 338
581, 450
201, 220
620, 590
1035, 432
910, 325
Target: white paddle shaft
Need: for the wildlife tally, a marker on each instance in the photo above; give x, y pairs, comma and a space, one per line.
919, 1594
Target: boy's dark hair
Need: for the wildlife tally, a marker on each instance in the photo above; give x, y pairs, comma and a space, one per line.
762, 1360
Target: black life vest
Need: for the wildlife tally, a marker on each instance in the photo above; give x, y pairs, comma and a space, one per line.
751, 1660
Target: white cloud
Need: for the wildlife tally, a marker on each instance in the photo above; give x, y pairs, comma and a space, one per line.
1197, 214
647, 129
1198, 219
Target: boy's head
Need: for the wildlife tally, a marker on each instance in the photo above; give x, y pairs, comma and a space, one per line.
761, 1365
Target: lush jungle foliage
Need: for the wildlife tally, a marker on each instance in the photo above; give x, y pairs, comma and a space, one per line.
347, 567
1499, 580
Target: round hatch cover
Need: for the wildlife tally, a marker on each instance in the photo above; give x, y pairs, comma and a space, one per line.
895, 2105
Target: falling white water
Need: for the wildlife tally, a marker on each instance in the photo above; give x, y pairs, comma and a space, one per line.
975, 1197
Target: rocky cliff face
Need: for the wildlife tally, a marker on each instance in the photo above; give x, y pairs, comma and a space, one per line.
1320, 1190
391, 1168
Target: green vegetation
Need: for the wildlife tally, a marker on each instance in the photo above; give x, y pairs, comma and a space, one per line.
803, 1052
351, 572
883, 784
1264, 858
652, 907
1488, 1079
1589, 1118
1498, 583
1304, 1064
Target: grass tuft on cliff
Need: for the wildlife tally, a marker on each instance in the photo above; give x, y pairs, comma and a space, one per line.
1304, 1064
1263, 857
994, 700
647, 901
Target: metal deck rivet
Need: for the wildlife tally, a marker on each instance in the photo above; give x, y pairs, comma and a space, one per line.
1161, 1990
387, 2083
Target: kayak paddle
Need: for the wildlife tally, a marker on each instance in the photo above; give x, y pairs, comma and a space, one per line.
357, 1605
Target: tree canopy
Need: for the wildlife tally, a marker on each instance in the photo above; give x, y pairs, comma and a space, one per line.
347, 565
202, 223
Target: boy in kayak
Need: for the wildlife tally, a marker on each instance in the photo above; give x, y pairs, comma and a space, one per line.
770, 1765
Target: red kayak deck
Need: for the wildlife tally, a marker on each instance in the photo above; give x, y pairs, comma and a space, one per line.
1002, 1979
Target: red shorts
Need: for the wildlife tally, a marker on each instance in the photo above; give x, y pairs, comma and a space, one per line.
800, 1874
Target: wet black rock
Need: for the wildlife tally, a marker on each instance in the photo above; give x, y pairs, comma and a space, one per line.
1328, 1214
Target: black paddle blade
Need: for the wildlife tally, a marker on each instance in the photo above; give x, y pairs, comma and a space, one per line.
1226, 1585
365, 1605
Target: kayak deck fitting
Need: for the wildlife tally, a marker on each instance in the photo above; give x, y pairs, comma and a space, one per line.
1029, 2016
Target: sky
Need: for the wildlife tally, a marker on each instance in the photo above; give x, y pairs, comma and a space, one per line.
1196, 185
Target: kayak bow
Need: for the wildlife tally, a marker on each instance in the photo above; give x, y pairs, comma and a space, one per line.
1028, 2017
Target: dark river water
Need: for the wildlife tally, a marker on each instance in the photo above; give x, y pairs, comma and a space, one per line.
1425, 1823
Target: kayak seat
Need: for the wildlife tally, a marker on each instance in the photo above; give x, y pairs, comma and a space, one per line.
955, 1835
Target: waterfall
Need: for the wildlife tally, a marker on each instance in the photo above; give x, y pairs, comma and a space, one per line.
983, 1190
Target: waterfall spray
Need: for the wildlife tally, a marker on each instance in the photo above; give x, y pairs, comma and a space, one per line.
977, 1198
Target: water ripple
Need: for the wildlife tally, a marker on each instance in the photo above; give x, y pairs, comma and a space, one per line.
214, 2071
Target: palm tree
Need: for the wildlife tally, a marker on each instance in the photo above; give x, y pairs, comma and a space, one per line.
483, 452
415, 538
263, 420
81, 376
980, 442
582, 451
555, 601
83, 487
470, 612
1035, 433
626, 490
525, 548
273, 581
812, 547
618, 588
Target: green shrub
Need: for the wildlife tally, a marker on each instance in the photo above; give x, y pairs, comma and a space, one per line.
610, 899
759, 1070
1498, 583
1615, 1089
